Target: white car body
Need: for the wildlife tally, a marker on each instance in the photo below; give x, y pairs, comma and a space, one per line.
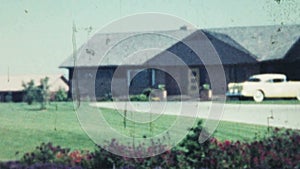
265, 86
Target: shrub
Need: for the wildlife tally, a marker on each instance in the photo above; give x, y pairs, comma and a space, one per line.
162, 87
106, 97
279, 151
61, 95
106, 159
47, 153
206, 86
140, 97
18, 165
147, 91
190, 152
8, 97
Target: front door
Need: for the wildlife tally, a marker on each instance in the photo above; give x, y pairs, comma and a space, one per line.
193, 81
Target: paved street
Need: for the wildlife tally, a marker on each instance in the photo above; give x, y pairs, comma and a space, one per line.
281, 115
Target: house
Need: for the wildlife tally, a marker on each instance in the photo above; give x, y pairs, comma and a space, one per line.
120, 61
11, 86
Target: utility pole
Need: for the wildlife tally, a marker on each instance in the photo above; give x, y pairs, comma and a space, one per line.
75, 73
8, 74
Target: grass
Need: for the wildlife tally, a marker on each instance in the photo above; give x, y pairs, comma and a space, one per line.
225, 131
23, 127
138, 121
239, 131
266, 101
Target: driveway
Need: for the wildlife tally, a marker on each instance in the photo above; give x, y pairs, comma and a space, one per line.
281, 115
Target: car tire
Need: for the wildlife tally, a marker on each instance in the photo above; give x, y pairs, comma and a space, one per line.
298, 96
258, 96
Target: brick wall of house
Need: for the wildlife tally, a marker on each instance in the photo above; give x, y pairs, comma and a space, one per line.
98, 83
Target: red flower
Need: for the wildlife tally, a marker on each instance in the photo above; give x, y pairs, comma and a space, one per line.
213, 141
287, 161
76, 156
59, 155
255, 160
227, 143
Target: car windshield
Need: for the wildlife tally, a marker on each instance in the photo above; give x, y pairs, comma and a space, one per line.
278, 80
253, 80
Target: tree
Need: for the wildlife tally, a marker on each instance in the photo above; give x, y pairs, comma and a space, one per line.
278, 1
39, 93
43, 94
30, 92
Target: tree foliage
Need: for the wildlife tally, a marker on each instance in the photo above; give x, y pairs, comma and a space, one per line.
61, 95
30, 92
278, 1
43, 94
38, 93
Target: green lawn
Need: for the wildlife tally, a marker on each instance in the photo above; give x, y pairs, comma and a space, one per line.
266, 101
23, 127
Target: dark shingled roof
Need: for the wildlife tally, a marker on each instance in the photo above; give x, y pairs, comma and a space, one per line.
294, 53
214, 52
235, 45
121, 48
265, 42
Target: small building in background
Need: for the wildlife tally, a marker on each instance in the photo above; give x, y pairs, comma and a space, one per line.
11, 88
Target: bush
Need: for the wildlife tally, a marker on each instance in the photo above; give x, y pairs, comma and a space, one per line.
61, 95
279, 151
8, 97
140, 97
147, 91
106, 97
191, 152
18, 165
47, 153
106, 159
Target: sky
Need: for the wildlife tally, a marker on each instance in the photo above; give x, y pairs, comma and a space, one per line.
36, 36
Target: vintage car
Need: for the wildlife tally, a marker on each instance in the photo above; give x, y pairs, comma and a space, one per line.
264, 86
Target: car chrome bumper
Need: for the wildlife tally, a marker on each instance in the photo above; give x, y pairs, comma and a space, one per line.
228, 94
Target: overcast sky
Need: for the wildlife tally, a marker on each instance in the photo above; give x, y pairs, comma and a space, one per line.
36, 36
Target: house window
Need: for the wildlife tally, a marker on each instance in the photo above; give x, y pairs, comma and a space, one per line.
141, 77
153, 76
130, 75
138, 77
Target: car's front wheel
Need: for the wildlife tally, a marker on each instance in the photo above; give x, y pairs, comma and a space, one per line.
298, 96
258, 96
